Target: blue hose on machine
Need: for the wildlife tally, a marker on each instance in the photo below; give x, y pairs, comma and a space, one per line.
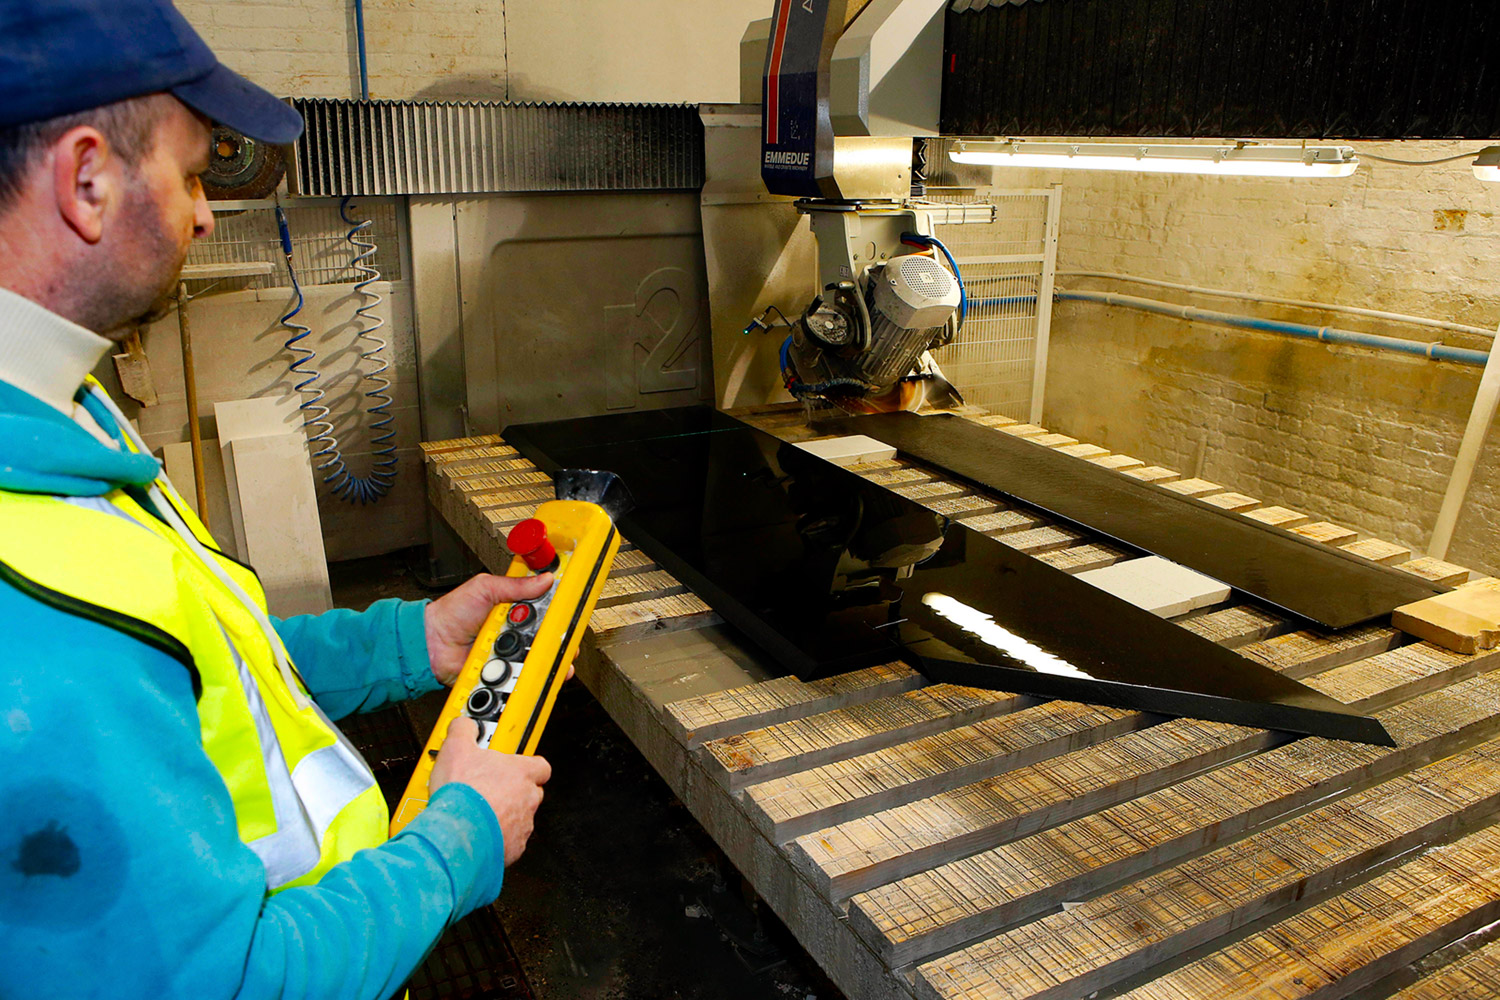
326, 451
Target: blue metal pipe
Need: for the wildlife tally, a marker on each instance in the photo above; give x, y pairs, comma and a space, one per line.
359, 33
1328, 334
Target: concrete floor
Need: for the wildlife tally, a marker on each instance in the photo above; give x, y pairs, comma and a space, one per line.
620, 895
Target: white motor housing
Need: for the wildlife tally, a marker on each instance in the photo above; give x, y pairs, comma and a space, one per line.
915, 292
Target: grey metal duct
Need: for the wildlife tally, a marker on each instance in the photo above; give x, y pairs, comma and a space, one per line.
428, 147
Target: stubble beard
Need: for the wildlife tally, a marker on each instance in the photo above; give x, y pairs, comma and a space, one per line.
141, 287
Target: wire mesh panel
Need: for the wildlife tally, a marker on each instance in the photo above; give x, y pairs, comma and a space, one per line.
999, 358
321, 251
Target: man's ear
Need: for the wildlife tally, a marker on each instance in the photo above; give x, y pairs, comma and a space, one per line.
85, 180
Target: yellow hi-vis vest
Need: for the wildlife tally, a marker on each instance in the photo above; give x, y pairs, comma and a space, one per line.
304, 799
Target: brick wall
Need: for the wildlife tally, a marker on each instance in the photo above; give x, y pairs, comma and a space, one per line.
541, 50
1359, 437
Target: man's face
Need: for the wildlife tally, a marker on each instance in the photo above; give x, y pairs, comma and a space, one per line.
162, 211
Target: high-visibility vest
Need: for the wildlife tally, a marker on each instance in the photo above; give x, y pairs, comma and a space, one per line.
304, 799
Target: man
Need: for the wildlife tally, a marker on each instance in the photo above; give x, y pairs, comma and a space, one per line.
177, 816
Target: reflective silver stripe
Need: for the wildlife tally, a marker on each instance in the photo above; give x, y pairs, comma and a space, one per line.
305, 801
293, 850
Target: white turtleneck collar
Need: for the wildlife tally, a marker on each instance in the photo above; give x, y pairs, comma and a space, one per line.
43, 354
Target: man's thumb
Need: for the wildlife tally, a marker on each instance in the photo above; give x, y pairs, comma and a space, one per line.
462, 731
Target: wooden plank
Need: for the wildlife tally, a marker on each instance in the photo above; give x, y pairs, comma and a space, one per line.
1022, 430
436, 449
1084, 450
1354, 938
854, 856
1278, 517
1081, 558
1376, 550
929, 491
1052, 440
1325, 533
1034, 541
491, 483
511, 496
965, 506
737, 710
880, 465
1235, 626
760, 754
471, 468
1151, 474
1130, 929
1231, 501
1435, 571
642, 618
1117, 462
1475, 976
634, 587
1372, 684
907, 474
1465, 620
465, 454
800, 803
971, 897
994, 420
1304, 653
1002, 522
1193, 487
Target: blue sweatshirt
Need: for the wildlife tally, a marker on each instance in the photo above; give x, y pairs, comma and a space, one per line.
121, 873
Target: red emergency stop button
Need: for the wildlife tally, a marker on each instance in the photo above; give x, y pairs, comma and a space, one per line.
520, 614
529, 541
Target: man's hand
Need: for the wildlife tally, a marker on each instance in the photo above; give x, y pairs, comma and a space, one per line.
512, 785
454, 619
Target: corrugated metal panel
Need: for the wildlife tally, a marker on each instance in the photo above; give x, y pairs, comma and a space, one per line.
1372, 69
423, 147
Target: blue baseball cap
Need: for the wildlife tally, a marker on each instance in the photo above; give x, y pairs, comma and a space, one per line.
58, 57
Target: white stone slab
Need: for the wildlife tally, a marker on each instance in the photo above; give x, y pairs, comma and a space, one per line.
850, 450
1158, 585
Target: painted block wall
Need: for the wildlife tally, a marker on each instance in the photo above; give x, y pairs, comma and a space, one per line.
1362, 438
520, 50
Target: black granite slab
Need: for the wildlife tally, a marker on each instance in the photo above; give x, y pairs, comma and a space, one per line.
828, 572
1321, 583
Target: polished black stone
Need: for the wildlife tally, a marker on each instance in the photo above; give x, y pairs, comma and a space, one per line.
829, 572
1320, 583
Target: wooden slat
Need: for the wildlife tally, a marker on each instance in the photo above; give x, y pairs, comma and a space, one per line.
1232, 502
893, 477
1117, 462
962, 506
737, 710
1034, 541
511, 496
1084, 450
1152, 474
1193, 487
1325, 533
643, 618
1278, 517
1103, 940
1435, 571
1081, 558
1354, 938
1304, 653
1475, 976
435, 449
627, 589
738, 760
1376, 550
929, 491
851, 857
1374, 683
968, 898
1002, 522
799, 803
1235, 626
1052, 440
1023, 430
994, 420
489, 484
469, 469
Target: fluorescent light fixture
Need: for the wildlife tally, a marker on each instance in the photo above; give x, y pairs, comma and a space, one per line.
1166, 158
1487, 164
